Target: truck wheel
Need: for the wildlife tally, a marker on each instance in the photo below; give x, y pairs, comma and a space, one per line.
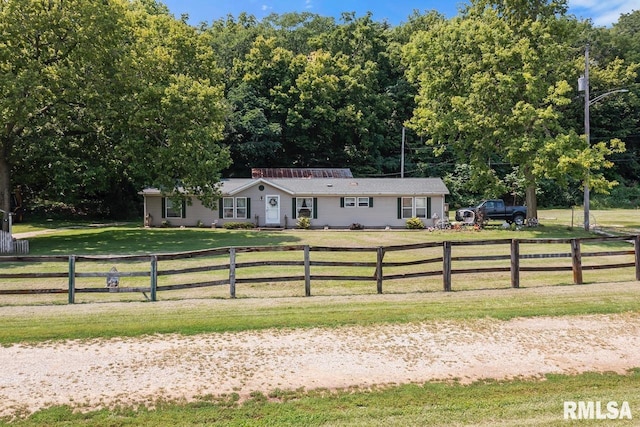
518, 220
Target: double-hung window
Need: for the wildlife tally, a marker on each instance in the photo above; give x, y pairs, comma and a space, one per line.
363, 202
407, 207
234, 207
421, 207
173, 208
418, 207
304, 207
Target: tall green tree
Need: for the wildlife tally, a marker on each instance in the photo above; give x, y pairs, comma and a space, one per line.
493, 84
174, 106
619, 115
310, 92
97, 96
57, 60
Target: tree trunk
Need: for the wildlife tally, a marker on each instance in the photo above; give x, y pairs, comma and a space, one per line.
531, 198
5, 192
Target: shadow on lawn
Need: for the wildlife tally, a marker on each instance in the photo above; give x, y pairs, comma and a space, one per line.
114, 241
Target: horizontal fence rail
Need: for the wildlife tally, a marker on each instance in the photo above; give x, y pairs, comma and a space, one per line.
446, 262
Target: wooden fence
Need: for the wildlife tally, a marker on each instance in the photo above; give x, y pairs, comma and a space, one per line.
445, 259
9, 245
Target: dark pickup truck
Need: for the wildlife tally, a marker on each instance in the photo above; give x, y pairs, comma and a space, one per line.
492, 209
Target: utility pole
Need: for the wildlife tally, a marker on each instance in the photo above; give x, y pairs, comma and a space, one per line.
402, 156
583, 85
587, 133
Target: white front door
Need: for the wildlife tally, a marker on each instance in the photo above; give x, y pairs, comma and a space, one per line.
272, 210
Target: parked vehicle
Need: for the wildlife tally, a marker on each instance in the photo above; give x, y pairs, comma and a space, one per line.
492, 210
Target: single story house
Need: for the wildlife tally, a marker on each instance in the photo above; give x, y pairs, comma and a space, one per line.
328, 202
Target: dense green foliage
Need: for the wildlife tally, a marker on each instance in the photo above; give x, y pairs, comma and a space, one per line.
99, 100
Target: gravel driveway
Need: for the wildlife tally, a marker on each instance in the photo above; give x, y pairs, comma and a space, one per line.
91, 374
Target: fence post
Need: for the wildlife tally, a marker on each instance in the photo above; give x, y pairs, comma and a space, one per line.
72, 279
576, 261
637, 249
232, 272
379, 257
154, 277
446, 266
515, 263
307, 272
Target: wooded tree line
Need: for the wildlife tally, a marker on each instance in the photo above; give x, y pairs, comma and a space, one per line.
100, 99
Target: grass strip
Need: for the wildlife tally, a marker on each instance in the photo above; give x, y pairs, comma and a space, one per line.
531, 402
188, 317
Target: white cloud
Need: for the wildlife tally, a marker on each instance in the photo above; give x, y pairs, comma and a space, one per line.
266, 7
602, 13
308, 4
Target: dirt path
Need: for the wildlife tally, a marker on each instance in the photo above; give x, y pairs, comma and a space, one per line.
103, 373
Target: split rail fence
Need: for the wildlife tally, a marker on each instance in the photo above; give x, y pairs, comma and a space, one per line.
446, 265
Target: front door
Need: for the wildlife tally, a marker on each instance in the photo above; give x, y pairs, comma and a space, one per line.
272, 210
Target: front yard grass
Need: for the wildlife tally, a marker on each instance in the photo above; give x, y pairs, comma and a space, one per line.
518, 402
188, 317
505, 403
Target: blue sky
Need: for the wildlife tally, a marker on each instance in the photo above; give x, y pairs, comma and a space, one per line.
601, 12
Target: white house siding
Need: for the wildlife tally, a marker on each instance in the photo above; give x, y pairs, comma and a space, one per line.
197, 213
384, 212
194, 213
258, 205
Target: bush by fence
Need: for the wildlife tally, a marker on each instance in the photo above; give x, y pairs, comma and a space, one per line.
376, 266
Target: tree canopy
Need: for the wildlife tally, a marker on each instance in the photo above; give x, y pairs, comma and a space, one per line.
494, 84
101, 99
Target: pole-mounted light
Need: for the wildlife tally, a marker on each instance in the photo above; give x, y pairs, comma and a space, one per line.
583, 86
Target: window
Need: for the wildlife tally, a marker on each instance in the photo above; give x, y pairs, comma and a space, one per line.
409, 207
235, 208
421, 207
173, 208
304, 207
356, 202
241, 207
227, 209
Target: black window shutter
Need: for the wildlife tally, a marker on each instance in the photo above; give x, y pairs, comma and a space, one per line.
220, 208
315, 208
370, 202
342, 202
293, 208
164, 207
248, 208
399, 208
428, 207
184, 209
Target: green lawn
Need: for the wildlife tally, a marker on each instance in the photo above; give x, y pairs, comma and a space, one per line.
514, 403
67, 237
83, 321
131, 238
509, 403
